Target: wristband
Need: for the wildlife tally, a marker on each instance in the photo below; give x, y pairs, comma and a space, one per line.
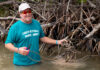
56, 42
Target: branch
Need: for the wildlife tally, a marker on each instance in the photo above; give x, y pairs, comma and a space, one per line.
96, 28
5, 3
39, 14
91, 4
47, 25
9, 17
86, 20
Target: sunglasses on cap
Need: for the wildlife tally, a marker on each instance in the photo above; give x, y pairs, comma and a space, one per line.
26, 11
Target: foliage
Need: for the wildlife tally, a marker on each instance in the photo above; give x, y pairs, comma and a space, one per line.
80, 1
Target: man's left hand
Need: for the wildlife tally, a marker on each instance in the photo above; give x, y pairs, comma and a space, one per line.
60, 42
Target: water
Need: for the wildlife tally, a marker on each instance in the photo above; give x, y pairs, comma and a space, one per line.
6, 57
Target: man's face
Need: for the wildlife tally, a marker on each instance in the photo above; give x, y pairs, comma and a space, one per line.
26, 15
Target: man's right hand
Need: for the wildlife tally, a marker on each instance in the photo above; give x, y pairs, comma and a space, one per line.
23, 51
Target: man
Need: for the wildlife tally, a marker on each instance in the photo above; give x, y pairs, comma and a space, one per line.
23, 33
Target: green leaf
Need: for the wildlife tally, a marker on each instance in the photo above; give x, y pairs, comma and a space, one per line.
80, 1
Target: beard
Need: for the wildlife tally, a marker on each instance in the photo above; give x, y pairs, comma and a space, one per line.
27, 20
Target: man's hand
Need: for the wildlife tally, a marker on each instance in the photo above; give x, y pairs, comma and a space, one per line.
23, 51
60, 42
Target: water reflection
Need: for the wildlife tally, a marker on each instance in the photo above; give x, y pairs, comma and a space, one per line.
6, 57
40, 66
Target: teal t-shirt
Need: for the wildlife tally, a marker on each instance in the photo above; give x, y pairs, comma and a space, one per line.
21, 34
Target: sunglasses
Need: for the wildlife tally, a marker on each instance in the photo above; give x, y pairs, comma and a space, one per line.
26, 11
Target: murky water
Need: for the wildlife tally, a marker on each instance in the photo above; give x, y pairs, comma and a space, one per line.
6, 57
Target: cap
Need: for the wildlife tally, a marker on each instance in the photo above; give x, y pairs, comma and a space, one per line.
23, 6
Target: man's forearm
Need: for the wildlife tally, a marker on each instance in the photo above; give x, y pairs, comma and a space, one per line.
48, 40
11, 47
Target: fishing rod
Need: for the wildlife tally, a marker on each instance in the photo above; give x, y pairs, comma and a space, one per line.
35, 53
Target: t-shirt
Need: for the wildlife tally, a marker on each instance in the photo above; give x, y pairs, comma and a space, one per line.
22, 35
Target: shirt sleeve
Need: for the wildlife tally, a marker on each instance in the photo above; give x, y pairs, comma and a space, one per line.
11, 37
41, 32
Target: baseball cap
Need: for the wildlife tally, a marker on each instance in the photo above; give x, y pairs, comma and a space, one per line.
23, 6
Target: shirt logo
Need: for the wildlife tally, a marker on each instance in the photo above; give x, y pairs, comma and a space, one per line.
30, 33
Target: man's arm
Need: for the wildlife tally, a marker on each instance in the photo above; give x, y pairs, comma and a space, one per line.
52, 41
11, 47
21, 50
